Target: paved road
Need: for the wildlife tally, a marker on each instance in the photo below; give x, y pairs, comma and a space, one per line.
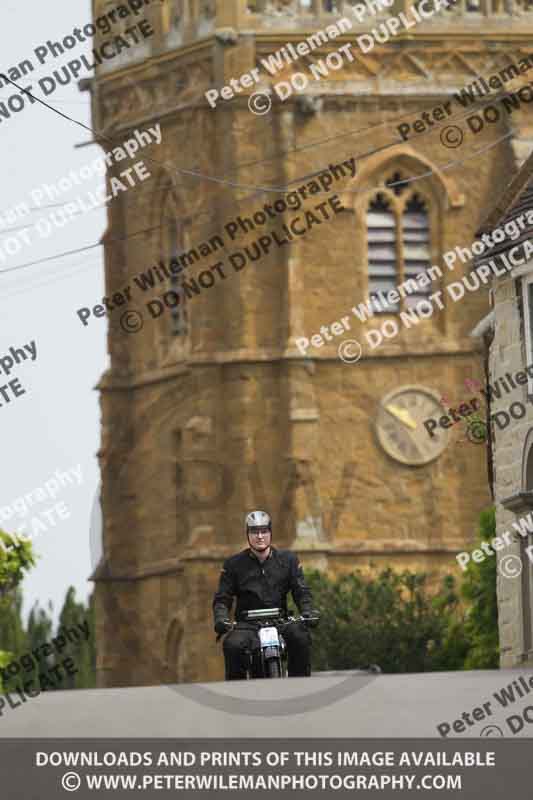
340, 705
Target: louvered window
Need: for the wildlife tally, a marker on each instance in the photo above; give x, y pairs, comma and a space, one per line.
399, 246
381, 224
416, 246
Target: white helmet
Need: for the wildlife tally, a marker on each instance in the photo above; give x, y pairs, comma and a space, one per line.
258, 519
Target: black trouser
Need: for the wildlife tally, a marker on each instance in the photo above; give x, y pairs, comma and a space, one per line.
297, 638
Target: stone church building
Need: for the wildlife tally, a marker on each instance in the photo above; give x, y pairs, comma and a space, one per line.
211, 409
508, 334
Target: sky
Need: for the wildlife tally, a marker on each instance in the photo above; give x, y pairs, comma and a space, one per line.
54, 426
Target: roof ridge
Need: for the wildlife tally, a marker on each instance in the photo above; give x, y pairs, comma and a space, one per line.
511, 194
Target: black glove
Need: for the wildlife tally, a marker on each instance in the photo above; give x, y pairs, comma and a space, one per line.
311, 617
222, 626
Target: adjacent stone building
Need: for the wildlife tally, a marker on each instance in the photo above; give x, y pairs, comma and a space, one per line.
211, 409
508, 332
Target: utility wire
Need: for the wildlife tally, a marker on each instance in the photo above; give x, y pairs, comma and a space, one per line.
272, 189
260, 189
158, 227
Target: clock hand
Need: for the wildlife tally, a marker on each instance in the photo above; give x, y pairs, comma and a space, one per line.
402, 414
416, 439
421, 442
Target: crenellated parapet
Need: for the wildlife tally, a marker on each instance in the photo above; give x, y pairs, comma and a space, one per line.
178, 23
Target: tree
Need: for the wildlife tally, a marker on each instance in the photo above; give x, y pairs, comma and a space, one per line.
390, 620
479, 590
39, 632
393, 620
16, 558
83, 652
12, 633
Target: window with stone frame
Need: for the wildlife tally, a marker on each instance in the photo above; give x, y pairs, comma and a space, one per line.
398, 243
172, 15
462, 7
527, 305
526, 542
180, 312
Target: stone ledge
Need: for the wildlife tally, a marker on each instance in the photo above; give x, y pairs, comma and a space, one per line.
361, 548
102, 573
111, 382
520, 501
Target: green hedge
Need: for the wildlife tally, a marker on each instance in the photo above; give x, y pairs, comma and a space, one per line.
394, 621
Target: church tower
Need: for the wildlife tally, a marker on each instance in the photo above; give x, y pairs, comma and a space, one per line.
213, 405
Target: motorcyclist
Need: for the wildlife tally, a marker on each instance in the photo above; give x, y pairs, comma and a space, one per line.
260, 577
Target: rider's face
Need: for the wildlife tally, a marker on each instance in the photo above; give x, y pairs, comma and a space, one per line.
259, 538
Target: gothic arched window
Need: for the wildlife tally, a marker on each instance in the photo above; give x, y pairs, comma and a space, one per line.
180, 315
399, 245
172, 330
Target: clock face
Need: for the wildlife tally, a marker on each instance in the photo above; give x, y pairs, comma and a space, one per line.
400, 425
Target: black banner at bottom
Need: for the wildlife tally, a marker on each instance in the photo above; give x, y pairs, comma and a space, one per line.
274, 768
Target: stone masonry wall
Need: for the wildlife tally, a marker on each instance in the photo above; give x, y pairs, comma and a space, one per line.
507, 354
240, 393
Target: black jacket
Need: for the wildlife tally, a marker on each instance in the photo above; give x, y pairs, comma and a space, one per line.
261, 585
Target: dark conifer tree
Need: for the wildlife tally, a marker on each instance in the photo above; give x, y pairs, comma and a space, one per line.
83, 652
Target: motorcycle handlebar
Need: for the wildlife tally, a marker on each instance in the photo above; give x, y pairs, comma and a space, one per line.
289, 620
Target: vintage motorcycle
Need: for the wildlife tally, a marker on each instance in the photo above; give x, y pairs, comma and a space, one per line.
269, 658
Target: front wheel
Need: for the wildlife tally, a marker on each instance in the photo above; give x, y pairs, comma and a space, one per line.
273, 669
